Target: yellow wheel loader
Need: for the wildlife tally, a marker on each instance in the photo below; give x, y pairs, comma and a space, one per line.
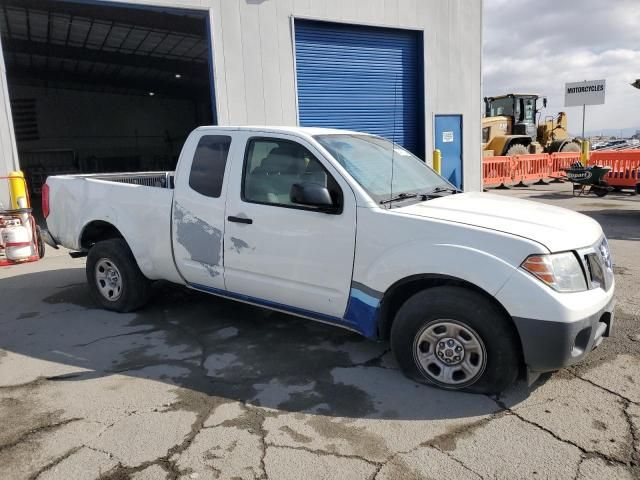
509, 127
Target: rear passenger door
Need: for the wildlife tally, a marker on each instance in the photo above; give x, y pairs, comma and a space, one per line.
198, 209
279, 253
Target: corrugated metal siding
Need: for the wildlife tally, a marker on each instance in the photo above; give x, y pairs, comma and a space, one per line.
360, 78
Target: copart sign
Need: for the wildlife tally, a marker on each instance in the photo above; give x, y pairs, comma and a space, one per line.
584, 93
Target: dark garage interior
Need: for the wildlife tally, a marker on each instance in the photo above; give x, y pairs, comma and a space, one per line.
100, 87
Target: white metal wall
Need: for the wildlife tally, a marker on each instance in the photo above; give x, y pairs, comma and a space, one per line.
254, 66
8, 154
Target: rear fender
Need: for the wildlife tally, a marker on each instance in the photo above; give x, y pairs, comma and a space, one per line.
135, 240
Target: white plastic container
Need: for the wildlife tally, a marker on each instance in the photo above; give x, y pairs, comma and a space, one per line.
17, 234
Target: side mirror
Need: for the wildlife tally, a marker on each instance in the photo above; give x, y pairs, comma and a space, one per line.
312, 195
544, 102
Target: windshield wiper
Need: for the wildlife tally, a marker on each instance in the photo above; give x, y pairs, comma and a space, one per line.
442, 189
400, 196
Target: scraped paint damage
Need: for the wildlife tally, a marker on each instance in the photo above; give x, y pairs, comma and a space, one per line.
238, 244
202, 241
363, 309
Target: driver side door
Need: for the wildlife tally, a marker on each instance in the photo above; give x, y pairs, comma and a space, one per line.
279, 253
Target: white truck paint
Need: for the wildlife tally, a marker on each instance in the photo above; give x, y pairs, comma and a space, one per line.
355, 266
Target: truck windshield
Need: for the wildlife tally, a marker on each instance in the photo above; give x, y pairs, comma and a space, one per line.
368, 160
501, 106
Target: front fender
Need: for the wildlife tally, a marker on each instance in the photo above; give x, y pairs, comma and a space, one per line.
472, 265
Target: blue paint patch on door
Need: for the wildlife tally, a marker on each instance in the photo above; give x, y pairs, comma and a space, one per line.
448, 130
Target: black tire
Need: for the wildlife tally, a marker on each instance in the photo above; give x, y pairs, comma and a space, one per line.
40, 242
571, 147
517, 149
135, 288
476, 314
601, 189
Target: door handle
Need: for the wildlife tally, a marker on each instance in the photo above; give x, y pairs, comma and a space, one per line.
247, 221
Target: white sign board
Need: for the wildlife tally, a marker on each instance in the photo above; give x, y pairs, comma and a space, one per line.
584, 93
447, 137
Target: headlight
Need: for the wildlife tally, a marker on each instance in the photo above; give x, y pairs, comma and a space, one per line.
561, 271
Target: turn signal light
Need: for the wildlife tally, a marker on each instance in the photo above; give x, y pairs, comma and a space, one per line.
540, 266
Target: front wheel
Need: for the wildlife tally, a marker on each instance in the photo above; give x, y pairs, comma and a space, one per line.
115, 281
456, 339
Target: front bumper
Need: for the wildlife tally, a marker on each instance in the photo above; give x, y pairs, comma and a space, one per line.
551, 345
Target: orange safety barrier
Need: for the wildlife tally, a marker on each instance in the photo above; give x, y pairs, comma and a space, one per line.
531, 167
497, 170
625, 167
561, 160
500, 171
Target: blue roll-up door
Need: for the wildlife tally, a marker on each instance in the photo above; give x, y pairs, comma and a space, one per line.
361, 78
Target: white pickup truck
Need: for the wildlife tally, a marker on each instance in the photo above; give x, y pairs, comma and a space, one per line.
472, 289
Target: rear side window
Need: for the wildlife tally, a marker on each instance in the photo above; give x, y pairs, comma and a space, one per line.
209, 162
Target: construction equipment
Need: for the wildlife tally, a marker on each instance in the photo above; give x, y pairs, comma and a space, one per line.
510, 127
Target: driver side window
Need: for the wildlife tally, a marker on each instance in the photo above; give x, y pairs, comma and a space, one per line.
272, 166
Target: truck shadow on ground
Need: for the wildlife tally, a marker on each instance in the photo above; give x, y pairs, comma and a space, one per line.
565, 195
208, 345
618, 224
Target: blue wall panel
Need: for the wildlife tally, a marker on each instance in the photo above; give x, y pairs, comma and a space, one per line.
361, 78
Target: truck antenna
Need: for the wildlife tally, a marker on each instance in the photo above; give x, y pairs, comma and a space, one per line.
393, 140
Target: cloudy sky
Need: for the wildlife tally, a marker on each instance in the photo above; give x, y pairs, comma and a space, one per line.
537, 46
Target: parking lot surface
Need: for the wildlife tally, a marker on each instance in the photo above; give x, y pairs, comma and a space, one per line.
199, 387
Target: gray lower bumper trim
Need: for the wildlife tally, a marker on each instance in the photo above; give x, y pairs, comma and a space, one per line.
549, 345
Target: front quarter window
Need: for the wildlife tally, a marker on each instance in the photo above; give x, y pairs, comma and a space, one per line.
374, 161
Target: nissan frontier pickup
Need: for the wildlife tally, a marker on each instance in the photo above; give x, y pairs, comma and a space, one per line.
471, 289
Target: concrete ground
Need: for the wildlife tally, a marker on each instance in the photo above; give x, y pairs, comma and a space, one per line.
198, 387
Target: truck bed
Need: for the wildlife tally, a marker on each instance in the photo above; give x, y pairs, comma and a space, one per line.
138, 204
147, 179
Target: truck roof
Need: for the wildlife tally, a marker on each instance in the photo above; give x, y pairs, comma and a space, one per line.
310, 131
514, 95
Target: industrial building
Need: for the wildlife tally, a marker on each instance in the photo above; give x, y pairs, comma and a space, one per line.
88, 86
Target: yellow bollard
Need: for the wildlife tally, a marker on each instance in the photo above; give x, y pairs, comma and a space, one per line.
437, 161
584, 155
17, 190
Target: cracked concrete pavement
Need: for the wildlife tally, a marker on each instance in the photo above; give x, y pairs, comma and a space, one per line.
197, 387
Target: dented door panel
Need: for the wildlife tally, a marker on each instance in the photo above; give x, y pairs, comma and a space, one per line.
197, 216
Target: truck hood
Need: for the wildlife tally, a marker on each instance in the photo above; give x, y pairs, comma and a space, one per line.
556, 228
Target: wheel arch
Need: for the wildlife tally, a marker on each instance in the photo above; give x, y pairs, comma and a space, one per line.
558, 145
97, 230
405, 288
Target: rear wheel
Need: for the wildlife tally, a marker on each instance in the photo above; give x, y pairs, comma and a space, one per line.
601, 189
115, 281
40, 242
456, 339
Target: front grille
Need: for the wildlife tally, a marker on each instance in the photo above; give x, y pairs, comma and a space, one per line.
597, 264
596, 272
